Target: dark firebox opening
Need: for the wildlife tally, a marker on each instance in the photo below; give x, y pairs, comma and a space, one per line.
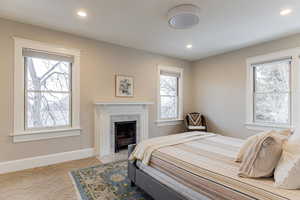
125, 134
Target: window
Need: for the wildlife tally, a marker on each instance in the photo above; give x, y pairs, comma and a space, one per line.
46, 92
169, 94
272, 92
271, 98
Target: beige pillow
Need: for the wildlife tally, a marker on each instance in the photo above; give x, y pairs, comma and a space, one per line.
247, 144
252, 139
287, 172
262, 156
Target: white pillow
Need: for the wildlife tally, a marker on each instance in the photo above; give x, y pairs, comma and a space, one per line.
287, 172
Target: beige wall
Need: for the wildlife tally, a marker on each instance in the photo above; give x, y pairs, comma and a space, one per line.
214, 86
220, 86
99, 63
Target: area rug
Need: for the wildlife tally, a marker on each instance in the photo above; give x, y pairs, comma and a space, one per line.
106, 182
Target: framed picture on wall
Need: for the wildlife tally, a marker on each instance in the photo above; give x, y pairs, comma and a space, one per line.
124, 86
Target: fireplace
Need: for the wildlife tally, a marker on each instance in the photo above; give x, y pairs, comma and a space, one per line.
107, 114
125, 134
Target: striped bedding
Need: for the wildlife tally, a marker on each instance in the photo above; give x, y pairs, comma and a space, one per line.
207, 166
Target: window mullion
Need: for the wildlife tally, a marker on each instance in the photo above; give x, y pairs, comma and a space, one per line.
45, 91
168, 95
287, 92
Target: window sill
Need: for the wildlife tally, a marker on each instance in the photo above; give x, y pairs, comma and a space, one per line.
44, 134
264, 127
170, 122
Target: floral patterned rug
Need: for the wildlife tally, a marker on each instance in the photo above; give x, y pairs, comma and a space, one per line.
106, 182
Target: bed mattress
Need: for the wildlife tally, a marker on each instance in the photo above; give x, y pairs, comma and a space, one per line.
206, 168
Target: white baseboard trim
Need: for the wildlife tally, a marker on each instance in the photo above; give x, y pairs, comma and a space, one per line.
40, 161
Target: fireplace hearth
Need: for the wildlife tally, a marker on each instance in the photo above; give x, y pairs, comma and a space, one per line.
125, 134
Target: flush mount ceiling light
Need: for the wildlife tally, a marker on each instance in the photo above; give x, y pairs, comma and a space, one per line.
184, 16
81, 13
285, 12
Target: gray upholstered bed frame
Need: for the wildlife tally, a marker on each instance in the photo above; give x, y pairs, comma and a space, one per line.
148, 184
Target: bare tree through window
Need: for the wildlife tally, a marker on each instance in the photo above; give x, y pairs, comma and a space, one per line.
168, 97
272, 92
47, 93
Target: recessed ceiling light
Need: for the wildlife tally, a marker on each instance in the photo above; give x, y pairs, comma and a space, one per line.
82, 13
285, 12
189, 46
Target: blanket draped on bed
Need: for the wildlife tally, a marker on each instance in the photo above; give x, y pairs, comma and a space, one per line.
144, 150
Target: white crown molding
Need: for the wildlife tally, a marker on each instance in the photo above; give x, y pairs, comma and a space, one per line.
40, 161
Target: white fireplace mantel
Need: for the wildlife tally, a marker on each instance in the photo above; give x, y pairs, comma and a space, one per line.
108, 112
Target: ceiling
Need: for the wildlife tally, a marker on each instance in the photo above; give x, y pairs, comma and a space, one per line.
142, 24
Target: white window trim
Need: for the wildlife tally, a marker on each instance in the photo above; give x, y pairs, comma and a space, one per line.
179, 120
19, 133
295, 93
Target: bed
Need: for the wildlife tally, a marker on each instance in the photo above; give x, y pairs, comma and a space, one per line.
203, 169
